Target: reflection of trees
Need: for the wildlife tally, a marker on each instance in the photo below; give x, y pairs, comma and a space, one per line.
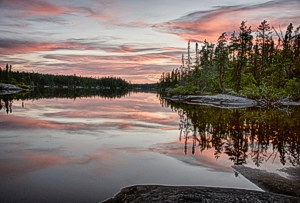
72, 93
7, 100
6, 104
241, 134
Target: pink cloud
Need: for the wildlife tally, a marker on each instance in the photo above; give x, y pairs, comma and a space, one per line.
35, 8
210, 24
128, 61
150, 58
22, 47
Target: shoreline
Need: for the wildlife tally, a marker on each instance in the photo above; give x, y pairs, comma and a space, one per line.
276, 189
163, 193
227, 101
272, 182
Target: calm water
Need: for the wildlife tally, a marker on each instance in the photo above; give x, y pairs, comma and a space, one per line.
86, 149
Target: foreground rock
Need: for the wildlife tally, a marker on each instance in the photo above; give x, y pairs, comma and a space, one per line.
155, 193
273, 182
218, 100
6, 89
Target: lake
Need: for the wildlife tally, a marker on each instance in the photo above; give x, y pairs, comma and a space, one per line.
86, 149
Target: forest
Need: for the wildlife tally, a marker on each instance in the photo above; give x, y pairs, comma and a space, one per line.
26, 80
260, 63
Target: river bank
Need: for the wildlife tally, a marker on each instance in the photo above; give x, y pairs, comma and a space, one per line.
227, 101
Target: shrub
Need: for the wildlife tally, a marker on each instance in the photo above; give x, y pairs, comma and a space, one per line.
188, 88
292, 88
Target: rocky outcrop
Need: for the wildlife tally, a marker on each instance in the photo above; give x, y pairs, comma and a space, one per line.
228, 101
273, 182
218, 100
156, 193
6, 89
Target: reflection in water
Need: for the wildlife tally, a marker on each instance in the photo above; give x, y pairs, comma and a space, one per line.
6, 101
85, 150
241, 134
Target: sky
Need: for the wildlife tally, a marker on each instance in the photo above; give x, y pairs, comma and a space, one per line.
133, 39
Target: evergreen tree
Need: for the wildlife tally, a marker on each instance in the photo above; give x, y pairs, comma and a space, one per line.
242, 46
263, 69
221, 60
264, 40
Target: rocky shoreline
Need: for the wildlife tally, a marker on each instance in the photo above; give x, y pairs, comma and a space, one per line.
7, 89
159, 193
226, 101
273, 182
276, 187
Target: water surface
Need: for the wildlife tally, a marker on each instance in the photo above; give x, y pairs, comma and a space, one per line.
86, 149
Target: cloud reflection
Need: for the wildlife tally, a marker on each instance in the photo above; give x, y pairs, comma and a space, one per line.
17, 122
21, 162
205, 158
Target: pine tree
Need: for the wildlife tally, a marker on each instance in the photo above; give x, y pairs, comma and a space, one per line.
242, 45
221, 60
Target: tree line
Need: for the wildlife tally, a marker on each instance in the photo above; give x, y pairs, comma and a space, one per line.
254, 63
27, 79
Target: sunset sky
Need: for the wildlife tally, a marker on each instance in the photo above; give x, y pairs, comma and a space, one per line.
134, 39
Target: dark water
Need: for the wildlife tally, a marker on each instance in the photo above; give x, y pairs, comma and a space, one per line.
244, 136
85, 148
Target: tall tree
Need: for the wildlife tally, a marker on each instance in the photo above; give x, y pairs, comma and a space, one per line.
221, 59
264, 39
241, 46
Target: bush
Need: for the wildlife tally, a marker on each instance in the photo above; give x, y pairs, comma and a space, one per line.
23, 86
251, 91
188, 88
248, 80
263, 92
292, 88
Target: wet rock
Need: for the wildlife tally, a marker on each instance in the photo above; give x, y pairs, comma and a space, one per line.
218, 100
273, 182
228, 101
156, 193
6, 89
